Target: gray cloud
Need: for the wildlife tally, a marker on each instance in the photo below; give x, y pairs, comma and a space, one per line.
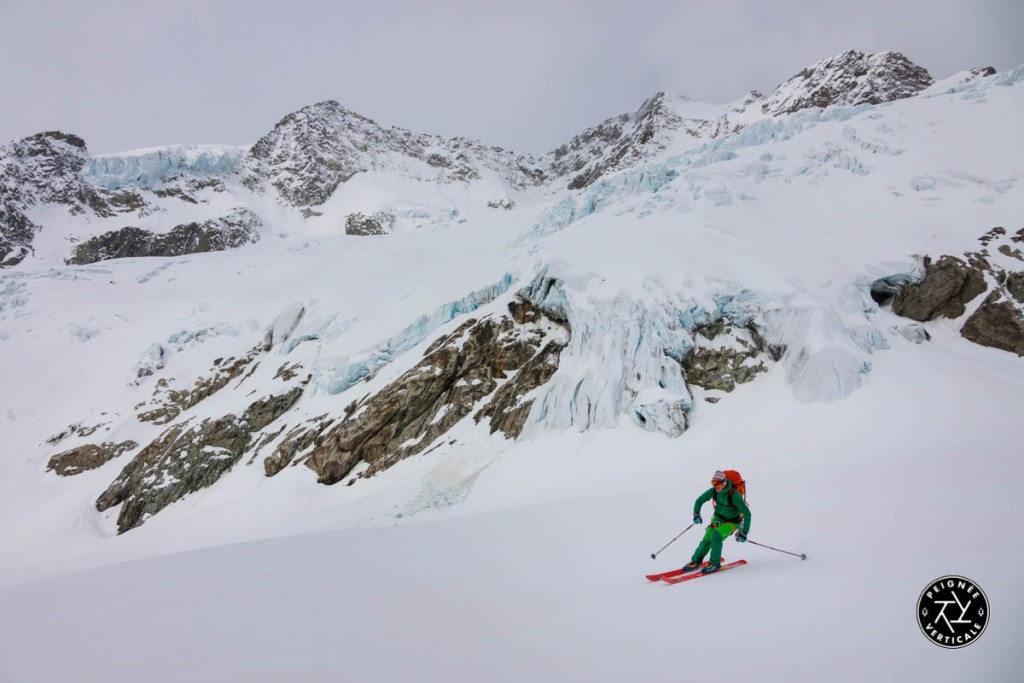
525, 75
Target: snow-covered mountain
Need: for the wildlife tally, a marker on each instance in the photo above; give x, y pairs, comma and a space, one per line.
347, 327
310, 154
847, 80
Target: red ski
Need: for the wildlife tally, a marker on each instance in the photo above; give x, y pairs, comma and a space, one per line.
697, 575
673, 573
665, 575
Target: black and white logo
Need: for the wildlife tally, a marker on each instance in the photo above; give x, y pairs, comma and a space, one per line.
952, 611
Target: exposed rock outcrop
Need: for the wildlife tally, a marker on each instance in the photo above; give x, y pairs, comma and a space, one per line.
951, 283
235, 229
456, 375
997, 323
44, 169
168, 403
725, 355
87, 457
296, 444
39, 169
379, 223
947, 286
16, 234
187, 458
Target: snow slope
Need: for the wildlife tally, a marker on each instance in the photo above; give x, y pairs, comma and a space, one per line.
884, 460
871, 488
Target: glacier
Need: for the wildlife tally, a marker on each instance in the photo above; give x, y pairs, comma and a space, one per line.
636, 346
640, 343
145, 169
650, 179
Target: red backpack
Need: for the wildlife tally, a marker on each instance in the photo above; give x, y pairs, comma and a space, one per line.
736, 479
737, 482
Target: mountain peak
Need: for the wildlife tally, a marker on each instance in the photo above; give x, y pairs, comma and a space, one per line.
327, 108
618, 142
311, 151
49, 162
849, 79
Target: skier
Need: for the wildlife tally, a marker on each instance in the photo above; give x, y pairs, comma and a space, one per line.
731, 512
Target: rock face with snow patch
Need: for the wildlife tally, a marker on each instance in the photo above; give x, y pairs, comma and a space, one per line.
235, 229
724, 356
44, 169
948, 285
998, 323
186, 458
168, 403
619, 142
87, 457
380, 223
41, 169
310, 152
55, 168
849, 79
457, 374
16, 234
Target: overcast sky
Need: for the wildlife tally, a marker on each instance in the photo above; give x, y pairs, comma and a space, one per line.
521, 74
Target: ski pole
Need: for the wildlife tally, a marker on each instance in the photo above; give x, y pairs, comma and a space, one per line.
655, 555
802, 556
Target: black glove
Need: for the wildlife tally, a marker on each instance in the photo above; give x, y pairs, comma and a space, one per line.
697, 518
741, 536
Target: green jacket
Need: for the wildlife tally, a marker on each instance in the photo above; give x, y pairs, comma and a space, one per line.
729, 506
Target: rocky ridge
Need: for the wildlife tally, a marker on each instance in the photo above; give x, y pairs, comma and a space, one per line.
312, 152
53, 169
309, 153
847, 80
620, 142
40, 169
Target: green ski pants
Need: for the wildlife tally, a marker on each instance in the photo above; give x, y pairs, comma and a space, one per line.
713, 537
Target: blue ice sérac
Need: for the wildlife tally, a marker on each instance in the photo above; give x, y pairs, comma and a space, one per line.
148, 169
